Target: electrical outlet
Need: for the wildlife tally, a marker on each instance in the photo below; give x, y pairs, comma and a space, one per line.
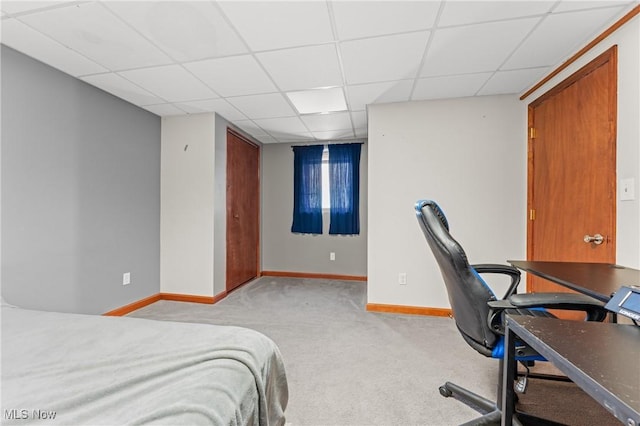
627, 190
126, 278
332, 256
402, 278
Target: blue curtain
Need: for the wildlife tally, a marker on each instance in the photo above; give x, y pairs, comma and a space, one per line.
307, 189
344, 188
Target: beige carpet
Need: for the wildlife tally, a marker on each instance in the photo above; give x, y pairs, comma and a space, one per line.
347, 366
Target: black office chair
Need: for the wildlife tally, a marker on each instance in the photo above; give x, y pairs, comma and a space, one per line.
478, 313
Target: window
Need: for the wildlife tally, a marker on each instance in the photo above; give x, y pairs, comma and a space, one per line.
326, 199
327, 178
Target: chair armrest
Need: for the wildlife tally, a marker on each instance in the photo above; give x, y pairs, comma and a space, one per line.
569, 301
491, 268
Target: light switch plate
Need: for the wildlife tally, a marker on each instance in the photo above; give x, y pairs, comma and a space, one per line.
627, 189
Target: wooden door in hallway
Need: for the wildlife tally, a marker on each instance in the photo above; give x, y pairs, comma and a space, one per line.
243, 210
572, 169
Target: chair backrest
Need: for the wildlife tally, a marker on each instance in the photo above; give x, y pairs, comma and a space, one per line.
468, 293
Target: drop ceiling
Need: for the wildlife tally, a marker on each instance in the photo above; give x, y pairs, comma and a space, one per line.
303, 71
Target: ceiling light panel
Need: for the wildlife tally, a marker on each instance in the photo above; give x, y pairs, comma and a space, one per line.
449, 86
382, 17
279, 24
318, 101
469, 12
233, 76
186, 30
92, 30
383, 58
17, 35
551, 40
171, 82
303, 67
474, 48
362, 95
263, 106
122, 88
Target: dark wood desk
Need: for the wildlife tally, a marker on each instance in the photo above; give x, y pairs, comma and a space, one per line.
601, 358
598, 280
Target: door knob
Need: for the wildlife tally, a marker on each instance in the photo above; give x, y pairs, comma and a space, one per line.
596, 239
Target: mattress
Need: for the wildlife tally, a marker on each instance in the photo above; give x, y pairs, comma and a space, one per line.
81, 369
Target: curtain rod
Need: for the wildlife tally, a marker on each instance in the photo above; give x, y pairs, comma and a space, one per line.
327, 143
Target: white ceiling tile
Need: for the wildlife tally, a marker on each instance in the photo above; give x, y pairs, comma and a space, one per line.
383, 58
318, 100
122, 88
362, 95
289, 138
233, 76
515, 81
327, 122
362, 133
552, 42
277, 24
171, 82
449, 86
475, 48
95, 32
284, 125
17, 35
570, 5
250, 127
220, 106
263, 106
303, 67
468, 12
14, 7
186, 30
357, 19
163, 109
334, 135
266, 139
359, 119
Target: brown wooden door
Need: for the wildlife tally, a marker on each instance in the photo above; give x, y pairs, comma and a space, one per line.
572, 169
243, 210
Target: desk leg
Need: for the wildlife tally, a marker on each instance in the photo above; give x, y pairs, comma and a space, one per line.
508, 376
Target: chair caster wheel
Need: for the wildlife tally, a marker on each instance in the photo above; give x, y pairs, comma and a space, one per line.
445, 392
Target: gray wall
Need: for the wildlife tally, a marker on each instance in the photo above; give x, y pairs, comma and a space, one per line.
284, 251
80, 192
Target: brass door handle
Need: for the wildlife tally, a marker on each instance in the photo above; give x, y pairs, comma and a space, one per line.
596, 239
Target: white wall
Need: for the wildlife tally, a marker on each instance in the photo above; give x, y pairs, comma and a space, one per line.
187, 205
628, 147
283, 250
469, 155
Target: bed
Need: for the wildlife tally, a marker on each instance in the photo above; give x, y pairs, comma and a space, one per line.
93, 370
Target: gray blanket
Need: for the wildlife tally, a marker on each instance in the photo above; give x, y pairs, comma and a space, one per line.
90, 370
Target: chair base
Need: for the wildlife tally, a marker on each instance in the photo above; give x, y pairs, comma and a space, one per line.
492, 415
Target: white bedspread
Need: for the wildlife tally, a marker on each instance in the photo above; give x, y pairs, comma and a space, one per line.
90, 370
